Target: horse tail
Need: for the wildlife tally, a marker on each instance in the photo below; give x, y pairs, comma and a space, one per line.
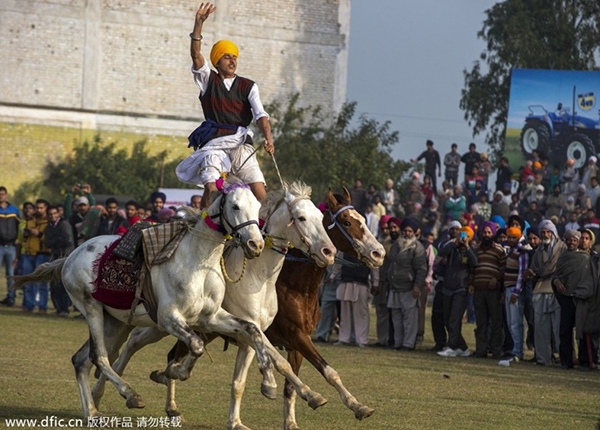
47, 272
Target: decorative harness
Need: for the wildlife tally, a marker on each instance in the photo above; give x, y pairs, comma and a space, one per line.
269, 238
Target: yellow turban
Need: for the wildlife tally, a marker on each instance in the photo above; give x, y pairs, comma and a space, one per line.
514, 231
221, 48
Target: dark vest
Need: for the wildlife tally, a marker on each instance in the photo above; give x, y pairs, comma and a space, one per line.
353, 273
227, 107
511, 270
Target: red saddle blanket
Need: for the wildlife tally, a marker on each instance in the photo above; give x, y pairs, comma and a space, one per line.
116, 279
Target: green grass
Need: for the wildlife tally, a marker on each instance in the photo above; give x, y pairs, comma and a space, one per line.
409, 390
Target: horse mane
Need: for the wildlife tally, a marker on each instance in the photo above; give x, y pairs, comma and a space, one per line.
189, 215
297, 188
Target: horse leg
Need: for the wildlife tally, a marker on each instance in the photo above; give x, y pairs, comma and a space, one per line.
99, 354
82, 364
267, 356
170, 406
289, 394
140, 337
171, 321
313, 398
306, 347
175, 368
242, 364
246, 332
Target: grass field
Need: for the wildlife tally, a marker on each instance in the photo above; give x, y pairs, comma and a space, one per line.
409, 390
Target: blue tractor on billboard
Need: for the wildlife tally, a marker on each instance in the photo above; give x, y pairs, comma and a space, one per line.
562, 134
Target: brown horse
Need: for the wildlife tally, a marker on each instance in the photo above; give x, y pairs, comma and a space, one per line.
299, 312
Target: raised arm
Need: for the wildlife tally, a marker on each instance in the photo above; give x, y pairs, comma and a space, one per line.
202, 15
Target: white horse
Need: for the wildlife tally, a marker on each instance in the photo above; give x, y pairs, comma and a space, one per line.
291, 219
189, 290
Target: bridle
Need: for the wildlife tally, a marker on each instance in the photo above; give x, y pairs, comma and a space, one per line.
293, 222
224, 226
336, 223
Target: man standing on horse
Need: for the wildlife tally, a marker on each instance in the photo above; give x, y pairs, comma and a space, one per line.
230, 103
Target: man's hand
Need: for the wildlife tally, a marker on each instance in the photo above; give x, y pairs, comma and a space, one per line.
87, 188
513, 298
471, 289
492, 283
530, 273
374, 290
416, 292
204, 11
269, 147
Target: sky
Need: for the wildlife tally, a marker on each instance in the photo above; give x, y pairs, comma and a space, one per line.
405, 64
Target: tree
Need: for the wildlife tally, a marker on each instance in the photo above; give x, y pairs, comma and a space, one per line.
534, 34
107, 169
326, 153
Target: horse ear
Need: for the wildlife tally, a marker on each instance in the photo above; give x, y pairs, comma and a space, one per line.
347, 197
331, 200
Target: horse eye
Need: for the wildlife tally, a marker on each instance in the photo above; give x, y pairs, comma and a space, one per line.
302, 219
347, 224
235, 207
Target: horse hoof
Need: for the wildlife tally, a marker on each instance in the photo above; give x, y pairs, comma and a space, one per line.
316, 401
175, 414
363, 412
291, 426
172, 413
269, 391
239, 426
135, 402
157, 377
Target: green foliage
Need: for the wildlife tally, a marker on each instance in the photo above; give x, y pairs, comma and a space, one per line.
108, 169
534, 34
330, 153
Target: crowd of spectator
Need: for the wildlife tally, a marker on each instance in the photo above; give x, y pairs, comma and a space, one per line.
42, 232
517, 258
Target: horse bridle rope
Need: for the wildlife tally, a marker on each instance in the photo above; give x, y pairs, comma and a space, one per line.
335, 222
293, 222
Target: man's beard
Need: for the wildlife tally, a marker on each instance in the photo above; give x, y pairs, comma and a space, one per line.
546, 241
486, 241
394, 235
406, 243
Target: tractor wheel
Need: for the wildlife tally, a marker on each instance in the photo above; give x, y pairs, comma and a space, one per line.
579, 147
535, 136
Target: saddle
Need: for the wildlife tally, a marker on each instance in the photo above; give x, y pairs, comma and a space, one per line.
123, 270
130, 246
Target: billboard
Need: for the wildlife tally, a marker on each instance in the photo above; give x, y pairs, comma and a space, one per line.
554, 112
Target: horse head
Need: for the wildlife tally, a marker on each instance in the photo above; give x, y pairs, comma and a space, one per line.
237, 210
349, 232
291, 215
